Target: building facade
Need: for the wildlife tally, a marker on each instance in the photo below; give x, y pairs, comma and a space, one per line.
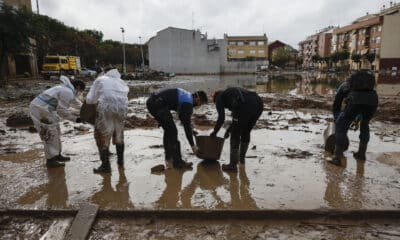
23, 64
376, 35
186, 51
318, 44
242, 48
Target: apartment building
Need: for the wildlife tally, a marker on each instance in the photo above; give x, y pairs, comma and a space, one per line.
374, 34
247, 48
316, 44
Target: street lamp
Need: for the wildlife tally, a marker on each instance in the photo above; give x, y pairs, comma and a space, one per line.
123, 50
141, 50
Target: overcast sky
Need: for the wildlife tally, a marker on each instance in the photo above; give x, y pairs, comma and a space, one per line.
287, 20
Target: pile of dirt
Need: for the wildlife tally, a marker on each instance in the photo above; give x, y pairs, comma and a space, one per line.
201, 120
19, 119
137, 122
289, 102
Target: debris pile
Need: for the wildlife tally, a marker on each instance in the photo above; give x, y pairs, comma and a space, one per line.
19, 119
137, 122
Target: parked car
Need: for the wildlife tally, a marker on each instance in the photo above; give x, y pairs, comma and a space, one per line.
86, 72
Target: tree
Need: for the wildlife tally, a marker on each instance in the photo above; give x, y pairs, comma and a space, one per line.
357, 59
334, 57
281, 57
15, 35
370, 57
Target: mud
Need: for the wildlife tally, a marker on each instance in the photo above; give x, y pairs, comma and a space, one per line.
285, 169
19, 119
154, 228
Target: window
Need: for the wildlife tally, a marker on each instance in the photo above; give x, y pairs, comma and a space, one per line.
252, 51
378, 39
232, 51
261, 52
377, 51
260, 43
379, 28
232, 43
240, 51
252, 43
240, 43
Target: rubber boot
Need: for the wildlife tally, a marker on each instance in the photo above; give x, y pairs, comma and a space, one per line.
105, 166
178, 162
167, 151
234, 158
360, 155
53, 163
243, 150
62, 158
120, 154
337, 156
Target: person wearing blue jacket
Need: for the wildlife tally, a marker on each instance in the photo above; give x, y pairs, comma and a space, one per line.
160, 106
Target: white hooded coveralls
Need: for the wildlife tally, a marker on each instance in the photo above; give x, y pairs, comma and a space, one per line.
48, 108
110, 93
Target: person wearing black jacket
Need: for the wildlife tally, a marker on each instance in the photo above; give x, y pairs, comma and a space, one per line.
361, 102
246, 107
160, 104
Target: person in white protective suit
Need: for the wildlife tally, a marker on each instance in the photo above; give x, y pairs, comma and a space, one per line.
46, 111
110, 93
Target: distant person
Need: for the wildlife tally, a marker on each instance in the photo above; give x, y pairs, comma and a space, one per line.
110, 93
246, 107
361, 102
46, 111
160, 106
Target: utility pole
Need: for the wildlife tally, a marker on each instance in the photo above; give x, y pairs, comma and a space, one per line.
141, 50
123, 50
37, 6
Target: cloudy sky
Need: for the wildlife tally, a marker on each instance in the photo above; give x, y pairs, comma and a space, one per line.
287, 20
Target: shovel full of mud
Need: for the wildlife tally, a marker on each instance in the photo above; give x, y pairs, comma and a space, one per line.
329, 138
210, 148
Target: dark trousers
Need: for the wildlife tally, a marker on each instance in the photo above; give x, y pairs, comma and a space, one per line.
346, 117
164, 118
244, 118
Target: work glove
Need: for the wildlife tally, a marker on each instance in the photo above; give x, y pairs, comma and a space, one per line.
213, 134
195, 149
78, 120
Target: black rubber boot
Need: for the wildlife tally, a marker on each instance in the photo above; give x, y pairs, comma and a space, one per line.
105, 166
167, 150
53, 163
234, 158
178, 162
243, 150
62, 158
120, 154
362, 149
337, 156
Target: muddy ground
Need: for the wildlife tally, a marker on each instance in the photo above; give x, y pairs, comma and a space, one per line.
286, 169
151, 228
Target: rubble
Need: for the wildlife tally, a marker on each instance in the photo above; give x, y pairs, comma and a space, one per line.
136, 122
19, 119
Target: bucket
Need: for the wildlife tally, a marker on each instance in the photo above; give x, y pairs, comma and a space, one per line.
329, 139
88, 113
210, 148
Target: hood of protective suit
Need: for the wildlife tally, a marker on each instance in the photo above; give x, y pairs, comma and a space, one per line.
66, 82
113, 73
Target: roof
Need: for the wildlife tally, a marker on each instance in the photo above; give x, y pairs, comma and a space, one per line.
244, 37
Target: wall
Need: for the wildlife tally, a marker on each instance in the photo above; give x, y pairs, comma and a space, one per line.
183, 51
390, 42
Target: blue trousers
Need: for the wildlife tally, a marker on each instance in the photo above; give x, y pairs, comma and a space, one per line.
349, 114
